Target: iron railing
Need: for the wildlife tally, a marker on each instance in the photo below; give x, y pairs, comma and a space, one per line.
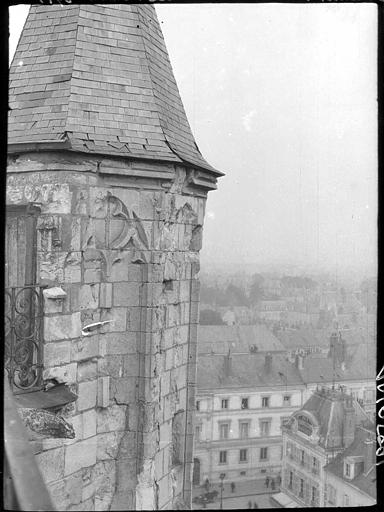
24, 323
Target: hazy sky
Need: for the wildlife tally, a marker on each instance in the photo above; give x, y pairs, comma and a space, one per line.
282, 98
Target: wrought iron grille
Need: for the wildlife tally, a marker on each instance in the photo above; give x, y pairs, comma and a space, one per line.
24, 337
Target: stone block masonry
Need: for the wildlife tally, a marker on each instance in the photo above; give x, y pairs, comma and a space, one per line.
104, 153
143, 352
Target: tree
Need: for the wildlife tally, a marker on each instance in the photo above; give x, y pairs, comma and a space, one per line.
210, 294
235, 296
210, 317
256, 292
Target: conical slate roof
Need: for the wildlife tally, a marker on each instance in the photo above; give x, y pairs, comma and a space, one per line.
99, 77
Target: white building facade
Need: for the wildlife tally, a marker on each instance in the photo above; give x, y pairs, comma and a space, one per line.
238, 430
322, 429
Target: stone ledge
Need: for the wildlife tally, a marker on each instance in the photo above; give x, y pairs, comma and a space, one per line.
55, 293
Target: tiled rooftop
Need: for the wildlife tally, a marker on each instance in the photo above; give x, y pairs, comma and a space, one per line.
309, 336
248, 370
100, 77
360, 364
329, 407
218, 339
365, 480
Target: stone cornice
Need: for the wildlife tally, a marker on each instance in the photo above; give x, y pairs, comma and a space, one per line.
28, 157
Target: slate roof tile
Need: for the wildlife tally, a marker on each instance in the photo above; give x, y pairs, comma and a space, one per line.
108, 59
248, 370
329, 407
219, 339
365, 480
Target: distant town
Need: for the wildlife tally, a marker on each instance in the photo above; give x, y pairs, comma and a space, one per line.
284, 361
139, 373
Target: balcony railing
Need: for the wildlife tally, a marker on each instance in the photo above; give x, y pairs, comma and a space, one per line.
24, 310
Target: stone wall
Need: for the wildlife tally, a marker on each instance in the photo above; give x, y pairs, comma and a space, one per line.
122, 241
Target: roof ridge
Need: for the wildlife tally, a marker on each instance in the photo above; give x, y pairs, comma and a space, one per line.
142, 20
71, 85
183, 119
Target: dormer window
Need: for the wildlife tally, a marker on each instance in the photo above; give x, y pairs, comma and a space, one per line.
347, 470
304, 425
352, 466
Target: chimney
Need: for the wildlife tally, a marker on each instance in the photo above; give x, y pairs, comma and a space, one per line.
268, 362
299, 362
369, 454
332, 344
343, 350
228, 364
349, 422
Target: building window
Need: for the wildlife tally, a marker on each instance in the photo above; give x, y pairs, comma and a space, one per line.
198, 433
243, 473
284, 421
244, 429
286, 400
301, 492
198, 405
347, 470
24, 308
265, 401
263, 453
290, 484
302, 458
244, 403
224, 429
223, 457
331, 495
314, 491
265, 427
304, 425
315, 465
224, 403
369, 395
243, 455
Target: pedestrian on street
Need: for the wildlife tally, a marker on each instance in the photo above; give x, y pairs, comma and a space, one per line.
278, 479
249, 504
233, 487
206, 484
255, 505
273, 485
267, 482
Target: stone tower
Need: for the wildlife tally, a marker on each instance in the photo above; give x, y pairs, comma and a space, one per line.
102, 158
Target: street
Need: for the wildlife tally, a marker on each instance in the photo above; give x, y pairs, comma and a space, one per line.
253, 491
